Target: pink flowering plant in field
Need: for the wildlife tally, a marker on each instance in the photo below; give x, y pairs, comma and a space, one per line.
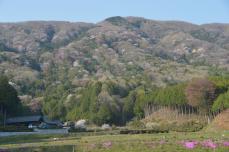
190, 144
193, 144
107, 144
226, 143
209, 144
206, 144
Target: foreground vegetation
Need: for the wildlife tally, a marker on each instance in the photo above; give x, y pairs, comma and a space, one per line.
125, 143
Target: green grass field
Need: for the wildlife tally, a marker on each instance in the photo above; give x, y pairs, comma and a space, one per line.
85, 142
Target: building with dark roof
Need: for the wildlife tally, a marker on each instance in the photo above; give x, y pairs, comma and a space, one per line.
25, 120
34, 120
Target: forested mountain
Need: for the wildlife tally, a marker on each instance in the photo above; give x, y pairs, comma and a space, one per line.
72, 70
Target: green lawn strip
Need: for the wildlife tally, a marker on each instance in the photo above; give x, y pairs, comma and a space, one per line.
40, 144
40, 138
162, 136
29, 138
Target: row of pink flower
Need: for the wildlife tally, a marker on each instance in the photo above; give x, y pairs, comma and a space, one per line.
207, 144
187, 144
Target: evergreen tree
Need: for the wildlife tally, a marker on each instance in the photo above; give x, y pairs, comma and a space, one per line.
9, 101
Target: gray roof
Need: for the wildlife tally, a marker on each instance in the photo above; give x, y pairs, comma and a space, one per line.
24, 119
51, 122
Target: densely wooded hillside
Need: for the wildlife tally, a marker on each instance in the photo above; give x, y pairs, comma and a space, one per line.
109, 71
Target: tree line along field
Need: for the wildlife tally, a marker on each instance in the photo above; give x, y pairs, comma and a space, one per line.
118, 103
115, 103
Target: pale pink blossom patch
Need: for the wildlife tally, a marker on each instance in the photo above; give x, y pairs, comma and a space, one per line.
209, 144
107, 144
190, 144
226, 143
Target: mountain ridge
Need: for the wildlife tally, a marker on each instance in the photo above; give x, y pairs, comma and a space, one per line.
126, 47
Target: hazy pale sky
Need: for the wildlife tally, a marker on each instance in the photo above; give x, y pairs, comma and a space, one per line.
195, 11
